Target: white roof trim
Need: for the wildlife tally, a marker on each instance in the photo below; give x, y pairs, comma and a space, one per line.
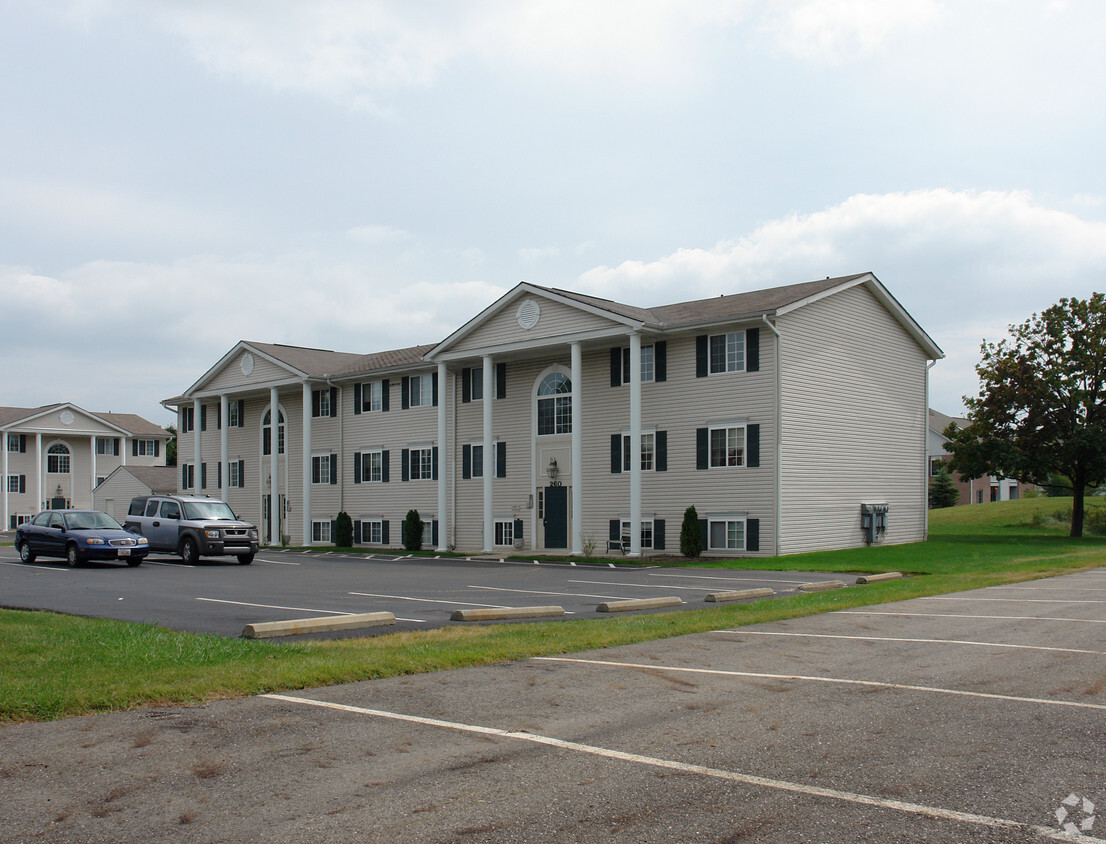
240, 346
57, 408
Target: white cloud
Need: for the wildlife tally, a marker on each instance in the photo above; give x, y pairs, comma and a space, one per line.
531, 257
375, 235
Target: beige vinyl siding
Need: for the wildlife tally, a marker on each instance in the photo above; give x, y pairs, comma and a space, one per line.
556, 320
680, 405
854, 423
120, 489
230, 377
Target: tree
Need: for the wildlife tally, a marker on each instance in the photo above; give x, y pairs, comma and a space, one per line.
412, 531
943, 491
171, 446
1041, 408
343, 530
691, 537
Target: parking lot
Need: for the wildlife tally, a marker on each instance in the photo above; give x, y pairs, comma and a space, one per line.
968, 717
219, 596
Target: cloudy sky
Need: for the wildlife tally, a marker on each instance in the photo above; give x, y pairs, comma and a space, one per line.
177, 175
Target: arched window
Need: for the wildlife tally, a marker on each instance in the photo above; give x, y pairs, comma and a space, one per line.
57, 459
555, 404
267, 433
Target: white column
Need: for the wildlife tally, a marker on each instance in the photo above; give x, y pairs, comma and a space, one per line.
577, 451
444, 460
92, 476
4, 524
275, 516
635, 444
305, 504
197, 446
489, 455
224, 445
38, 470
126, 446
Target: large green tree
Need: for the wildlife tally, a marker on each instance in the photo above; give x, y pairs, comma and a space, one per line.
1041, 408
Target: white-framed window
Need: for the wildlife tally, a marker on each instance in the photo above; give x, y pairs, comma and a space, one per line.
57, 459
13, 442
100, 479
372, 396
145, 448
322, 403
15, 481
648, 368
648, 452
421, 464
476, 382
188, 476
555, 404
372, 467
267, 433
727, 446
107, 446
727, 352
320, 531
372, 531
421, 391
646, 531
505, 532
320, 468
234, 415
234, 474
478, 459
935, 465
726, 534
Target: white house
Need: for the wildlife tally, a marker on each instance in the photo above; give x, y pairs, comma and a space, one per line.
556, 422
54, 456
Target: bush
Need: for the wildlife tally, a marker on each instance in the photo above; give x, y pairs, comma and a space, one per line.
691, 537
343, 530
412, 531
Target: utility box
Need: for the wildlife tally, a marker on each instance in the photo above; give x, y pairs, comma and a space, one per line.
873, 521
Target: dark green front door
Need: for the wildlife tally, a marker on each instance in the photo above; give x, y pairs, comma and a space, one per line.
556, 517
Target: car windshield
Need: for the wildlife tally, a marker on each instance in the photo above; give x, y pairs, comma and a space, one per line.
91, 521
209, 510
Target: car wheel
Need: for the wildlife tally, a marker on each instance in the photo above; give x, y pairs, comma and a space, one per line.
72, 556
245, 559
188, 551
25, 552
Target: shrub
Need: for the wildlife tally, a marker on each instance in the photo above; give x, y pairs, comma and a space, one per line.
942, 490
691, 538
343, 530
412, 531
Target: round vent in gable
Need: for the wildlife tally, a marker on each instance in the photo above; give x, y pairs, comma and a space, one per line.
529, 312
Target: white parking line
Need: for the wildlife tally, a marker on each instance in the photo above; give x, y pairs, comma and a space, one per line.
640, 585
1011, 600
277, 562
741, 579
717, 773
538, 592
32, 566
743, 632
994, 617
428, 600
840, 680
273, 606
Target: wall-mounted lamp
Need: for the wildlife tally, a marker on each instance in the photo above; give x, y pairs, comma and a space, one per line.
553, 469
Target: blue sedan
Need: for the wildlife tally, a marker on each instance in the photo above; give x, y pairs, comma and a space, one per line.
79, 536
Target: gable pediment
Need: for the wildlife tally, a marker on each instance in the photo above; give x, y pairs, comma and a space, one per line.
241, 368
69, 419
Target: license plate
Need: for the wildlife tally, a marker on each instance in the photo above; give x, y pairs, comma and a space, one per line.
124, 552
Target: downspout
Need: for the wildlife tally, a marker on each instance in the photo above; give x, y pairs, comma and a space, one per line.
925, 461
779, 432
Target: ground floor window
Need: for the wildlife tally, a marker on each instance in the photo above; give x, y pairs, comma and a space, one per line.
372, 532
646, 531
320, 531
187, 476
504, 532
726, 535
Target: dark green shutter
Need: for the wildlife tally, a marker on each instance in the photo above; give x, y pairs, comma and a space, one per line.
434, 389
501, 380
752, 534
466, 385
356, 399
23, 483
434, 463
466, 462
357, 457
658, 534
334, 470
704, 533
241, 473
660, 458
203, 476
384, 467
616, 453
615, 528
434, 532
384, 537
752, 350
384, 394
404, 393
404, 469
314, 471
616, 366
752, 445
134, 448
219, 475
203, 417
316, 399
241, 413
660, 360
333, 402
702, 448
157, 448
702, 357
500, 460
22, 443
356, 531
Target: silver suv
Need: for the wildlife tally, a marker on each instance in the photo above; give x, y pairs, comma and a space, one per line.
192, 526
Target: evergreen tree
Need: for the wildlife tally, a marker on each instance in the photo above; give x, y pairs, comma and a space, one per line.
343, 530
942, 489
412, 531
691, 537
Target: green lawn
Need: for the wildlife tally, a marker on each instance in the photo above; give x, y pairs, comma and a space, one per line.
53, 666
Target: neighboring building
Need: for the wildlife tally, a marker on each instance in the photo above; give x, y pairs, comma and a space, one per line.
978, 490
558, 422
113, 495
54, 456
